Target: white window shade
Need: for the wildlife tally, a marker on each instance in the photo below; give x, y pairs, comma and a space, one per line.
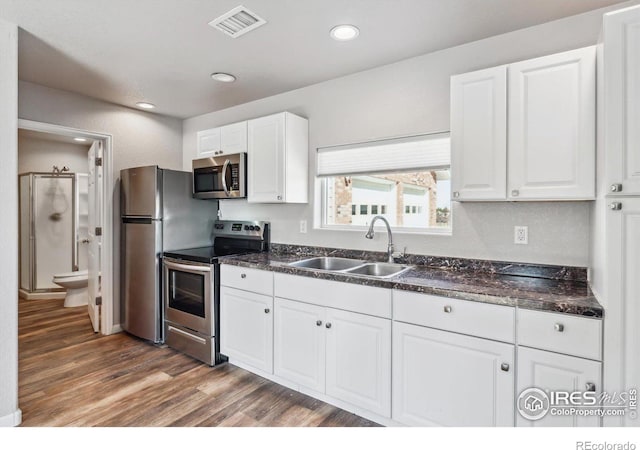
430, 151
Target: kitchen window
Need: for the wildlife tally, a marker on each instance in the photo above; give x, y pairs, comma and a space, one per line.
407, 180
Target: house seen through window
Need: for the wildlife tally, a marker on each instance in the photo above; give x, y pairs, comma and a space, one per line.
406, 180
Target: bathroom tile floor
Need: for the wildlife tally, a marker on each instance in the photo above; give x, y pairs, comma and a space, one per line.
69, 376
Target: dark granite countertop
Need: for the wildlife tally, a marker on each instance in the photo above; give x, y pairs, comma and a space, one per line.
569, 296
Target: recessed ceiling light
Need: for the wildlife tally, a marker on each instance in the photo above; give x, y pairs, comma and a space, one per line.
79, 139
224, 77
145, 105
344, 32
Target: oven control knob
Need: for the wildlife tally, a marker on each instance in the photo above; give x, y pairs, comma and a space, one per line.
251, 227
257, 228
246, 227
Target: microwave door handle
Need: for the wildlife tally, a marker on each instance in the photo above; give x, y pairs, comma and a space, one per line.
224, 177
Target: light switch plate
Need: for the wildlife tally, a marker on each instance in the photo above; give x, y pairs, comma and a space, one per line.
303, 226
521, 235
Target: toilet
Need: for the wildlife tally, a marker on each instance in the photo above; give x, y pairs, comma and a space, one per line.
76, 284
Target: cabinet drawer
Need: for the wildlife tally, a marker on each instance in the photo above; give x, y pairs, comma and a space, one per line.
461, 316
334, 294
560, 333
260, 281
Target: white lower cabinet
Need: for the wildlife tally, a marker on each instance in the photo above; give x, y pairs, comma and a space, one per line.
299, 343
342, 354
246, 327
447, 379
358, 362
556, 372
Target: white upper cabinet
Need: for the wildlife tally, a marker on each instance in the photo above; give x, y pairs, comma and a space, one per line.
226, 140
622, 101
479, 134
278, 159
552, 127
525, 131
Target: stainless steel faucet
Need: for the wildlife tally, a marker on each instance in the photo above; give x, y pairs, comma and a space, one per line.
370, 234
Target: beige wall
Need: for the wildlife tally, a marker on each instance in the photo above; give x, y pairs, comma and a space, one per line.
139, 138
412, 97
40, 155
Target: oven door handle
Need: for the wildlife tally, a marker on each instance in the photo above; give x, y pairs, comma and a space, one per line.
187, 267
224, 177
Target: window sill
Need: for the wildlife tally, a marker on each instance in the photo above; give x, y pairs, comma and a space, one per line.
394, 230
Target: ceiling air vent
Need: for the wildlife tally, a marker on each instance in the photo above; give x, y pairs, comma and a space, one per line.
237, 22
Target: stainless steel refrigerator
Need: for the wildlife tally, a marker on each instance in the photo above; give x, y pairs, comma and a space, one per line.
158, 213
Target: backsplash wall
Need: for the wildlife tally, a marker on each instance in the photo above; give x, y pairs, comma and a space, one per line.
412, 97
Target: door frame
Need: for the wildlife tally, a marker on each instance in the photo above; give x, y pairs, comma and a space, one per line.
107, 325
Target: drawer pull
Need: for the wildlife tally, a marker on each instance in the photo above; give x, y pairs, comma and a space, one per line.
447, 309
590, 387
558, 327
319, 323
267, 310
504, 367
328, 325
243, 275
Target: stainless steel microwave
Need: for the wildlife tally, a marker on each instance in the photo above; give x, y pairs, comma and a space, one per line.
220, 177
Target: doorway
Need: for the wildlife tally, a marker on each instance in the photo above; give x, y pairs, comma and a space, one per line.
99, 225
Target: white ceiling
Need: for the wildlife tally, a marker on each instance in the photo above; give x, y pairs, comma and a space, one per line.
52, 137
163, 51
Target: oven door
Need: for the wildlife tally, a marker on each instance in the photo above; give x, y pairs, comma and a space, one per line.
188, 295
220, 177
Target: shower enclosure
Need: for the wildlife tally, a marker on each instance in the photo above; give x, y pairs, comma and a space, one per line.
48, 223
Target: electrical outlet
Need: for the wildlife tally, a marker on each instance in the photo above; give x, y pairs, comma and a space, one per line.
303, 226
521, 235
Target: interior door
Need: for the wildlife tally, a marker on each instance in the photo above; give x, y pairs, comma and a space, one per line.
95, 233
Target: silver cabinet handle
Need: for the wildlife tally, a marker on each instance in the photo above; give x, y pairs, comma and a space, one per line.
515, 193
328, 325
243, 275
558, 327
319, 323
504, 367
616, 187
590, 387
279, 197
456, 194
447, 309
267, 310
615, 206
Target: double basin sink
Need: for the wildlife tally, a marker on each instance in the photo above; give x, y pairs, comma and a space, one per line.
351, 266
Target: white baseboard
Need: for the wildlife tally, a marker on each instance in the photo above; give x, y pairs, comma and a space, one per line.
11, 420
41, 295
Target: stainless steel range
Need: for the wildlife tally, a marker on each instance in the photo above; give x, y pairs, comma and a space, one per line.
191, 285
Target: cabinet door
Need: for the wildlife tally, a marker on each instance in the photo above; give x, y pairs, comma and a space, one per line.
358, 360
554, 371
622, 99
299, 343
266, 183
621, 331
246, 327
233, 138
447, 379
208, 142
552, 127
479, 135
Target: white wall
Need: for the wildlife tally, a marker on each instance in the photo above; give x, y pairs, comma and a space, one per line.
40, 155
139, 139
411, 97
9, 412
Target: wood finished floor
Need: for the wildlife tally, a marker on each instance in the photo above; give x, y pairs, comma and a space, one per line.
69, 376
